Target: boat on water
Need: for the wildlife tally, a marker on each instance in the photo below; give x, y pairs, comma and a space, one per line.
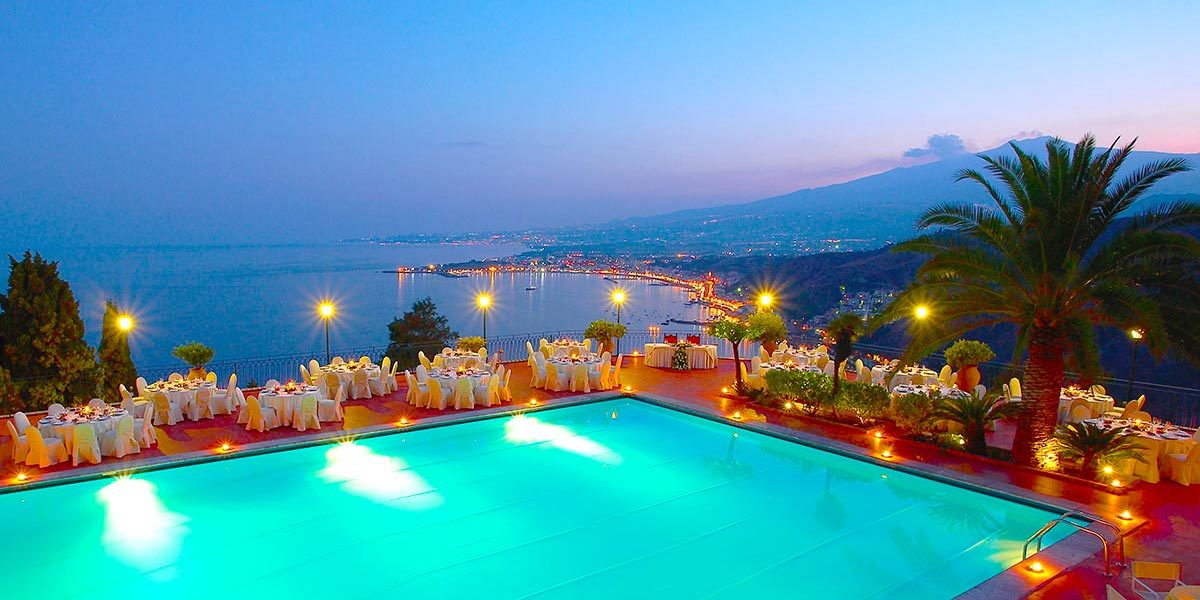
530, 288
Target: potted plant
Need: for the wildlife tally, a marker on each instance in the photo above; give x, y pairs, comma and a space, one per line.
1095, 447
604, 332
195, 355
975, 414
471, 343
965, 356
774, 330
844, 329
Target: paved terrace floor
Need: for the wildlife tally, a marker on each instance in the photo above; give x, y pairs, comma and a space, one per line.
1167, 528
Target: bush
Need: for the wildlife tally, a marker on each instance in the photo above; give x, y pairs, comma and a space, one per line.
811, 389
866, 400
194, 353
968, 352
471, 343
913, 412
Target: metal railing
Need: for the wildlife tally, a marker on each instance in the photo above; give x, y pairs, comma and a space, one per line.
1065, 518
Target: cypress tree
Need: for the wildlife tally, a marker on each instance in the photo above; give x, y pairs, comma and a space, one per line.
41, 338
115, 362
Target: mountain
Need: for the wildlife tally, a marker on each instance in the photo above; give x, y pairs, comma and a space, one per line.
864, 213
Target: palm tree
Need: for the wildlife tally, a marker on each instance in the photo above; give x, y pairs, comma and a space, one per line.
1092, 445
974, 413
844, 329
1052, 259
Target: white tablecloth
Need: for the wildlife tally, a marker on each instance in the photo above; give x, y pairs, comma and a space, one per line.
180, 398
905, 376
800, 357
662, 355
346, 376
454, 361
65, 431
287, 405
945, 392
561, 349
1154, 445
1099, 404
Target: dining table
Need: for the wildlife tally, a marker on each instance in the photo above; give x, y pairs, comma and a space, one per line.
561, 348
905, 375
287, 399
1154, 440
799, 355
448, 379
700, 356
786, 366
1098, 403
457, 358
929, 390
62, 426
181, 392
345, 371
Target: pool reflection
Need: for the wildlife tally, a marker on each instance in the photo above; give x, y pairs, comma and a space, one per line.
524, 429
138, 528
364, 472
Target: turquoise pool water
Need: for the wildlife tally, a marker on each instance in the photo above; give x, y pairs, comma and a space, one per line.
617, 499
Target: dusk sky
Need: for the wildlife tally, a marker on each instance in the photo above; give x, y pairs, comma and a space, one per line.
209, 122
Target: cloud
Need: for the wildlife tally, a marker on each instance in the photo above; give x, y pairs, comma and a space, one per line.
940, 145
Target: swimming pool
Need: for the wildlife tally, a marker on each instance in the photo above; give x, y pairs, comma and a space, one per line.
614, 499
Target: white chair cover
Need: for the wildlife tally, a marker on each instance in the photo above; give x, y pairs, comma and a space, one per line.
120, 440
85, 446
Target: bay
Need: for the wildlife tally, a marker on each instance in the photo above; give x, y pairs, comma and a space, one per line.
260, 300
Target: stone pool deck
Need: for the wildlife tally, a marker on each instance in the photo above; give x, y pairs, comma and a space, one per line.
1167, 515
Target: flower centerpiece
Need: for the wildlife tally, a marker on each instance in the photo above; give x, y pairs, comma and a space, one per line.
680, 361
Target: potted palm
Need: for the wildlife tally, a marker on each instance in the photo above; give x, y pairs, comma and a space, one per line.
1094, 446
774, 330
965, 356
196, 355
844, 329
975, 413
604, 332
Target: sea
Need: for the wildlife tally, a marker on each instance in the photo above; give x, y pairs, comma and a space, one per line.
261, 300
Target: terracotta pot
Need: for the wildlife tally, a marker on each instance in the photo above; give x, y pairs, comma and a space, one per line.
770, 347
968, 377
197, 373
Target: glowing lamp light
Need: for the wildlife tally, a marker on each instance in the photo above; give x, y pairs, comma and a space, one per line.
879, 435
225, 447
125, 323
325, 309
21, 477
765, 300
618, 297
1108, 470
736, 416
787, 406
886, 454
921, 312
1036, 567
1125, 515
403, 421
628, 389
533, 402
1115, 483
725, 389
1135, 334
484, 300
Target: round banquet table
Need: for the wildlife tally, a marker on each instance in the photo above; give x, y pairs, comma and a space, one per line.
454, 361
287, 404
181, 396
345, 374
561, 349
449, 378
1099, 403
65, 430
798, 356
778, 366
1153, 444
662, 355
945, 392
881, 372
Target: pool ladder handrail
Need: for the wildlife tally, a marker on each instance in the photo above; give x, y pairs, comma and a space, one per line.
1091, 519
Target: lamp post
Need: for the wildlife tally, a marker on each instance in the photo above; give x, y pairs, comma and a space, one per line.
1135, 335
125, 323
618, 298
484, 301
325, 309
765, 300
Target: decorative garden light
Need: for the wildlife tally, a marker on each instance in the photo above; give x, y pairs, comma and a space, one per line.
1135, 335
1125, 515
1036, 567
484, 302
